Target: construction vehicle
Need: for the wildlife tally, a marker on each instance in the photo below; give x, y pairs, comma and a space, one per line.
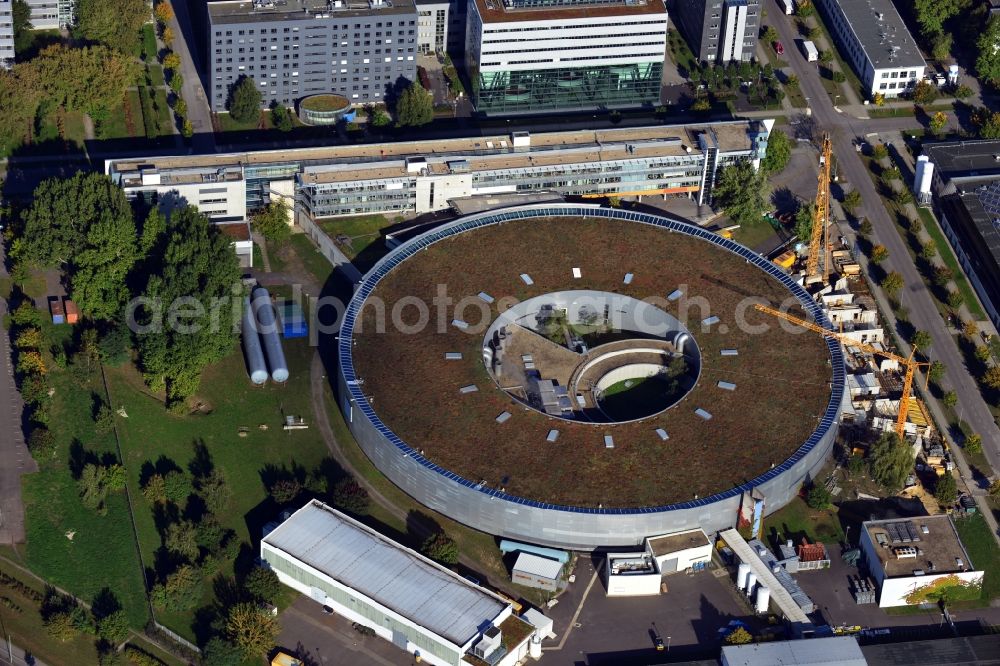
911, 364
821, 217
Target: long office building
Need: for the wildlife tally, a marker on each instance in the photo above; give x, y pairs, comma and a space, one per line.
430, 612
291, 49
873, 38
719, 31
52, 14
416, 177
526, 56
6, 33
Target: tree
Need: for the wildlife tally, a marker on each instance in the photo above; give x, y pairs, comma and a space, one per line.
114, 345
963, 91
180, 591
804, 222
891, 460
182, 538
921, 339
198, 265
955, 299
87, 223
826, 56
879, 254
938, 121
114, 627
214, 491
114, 23
902, 197
60, 626
281, 117
163, 12
272, 221
171, 61
21, 20
244, 100
880, 152
176, 82
973, 444
177, 486
987, 122
950, 398
988, 61
220, 652
865, 228
104, 420
851, 201
991, 377
931, 14
818, 497
155, 489
924, 93
252, 629
970, 329
946, 490
415, 107
349, 496
739, 191
779, 152
928, 250
168, 36
263, 584
994, 490
982, 353
935, 372
879, 99
441, 548
93, 488
941, 44
770, 34
42, 444
942, 276
285, 490
701, 105
740, 636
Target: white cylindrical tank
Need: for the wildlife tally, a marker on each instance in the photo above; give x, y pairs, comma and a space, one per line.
267, 326
251, 346
923, 176
953, 75
741, 575
763, 598
535, 647
751, 583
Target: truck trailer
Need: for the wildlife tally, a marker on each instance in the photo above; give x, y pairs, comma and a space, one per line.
809, 51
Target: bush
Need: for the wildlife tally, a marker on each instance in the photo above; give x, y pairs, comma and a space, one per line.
950, 399
880, 152
946, 490
42, 444
349, 496
285, 490
955, 299
114, 627
440, 547
973, 444
362, 629
879, 254
838, 77
818, 497
263, 585
177, 486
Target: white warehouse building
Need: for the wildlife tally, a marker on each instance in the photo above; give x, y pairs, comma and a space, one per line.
873, 38
527, 56
418, 605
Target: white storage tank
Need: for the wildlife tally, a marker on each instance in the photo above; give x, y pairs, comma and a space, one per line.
763, 599
922, 177
251, 346
535, 647
741, 575
751, 583
267, 325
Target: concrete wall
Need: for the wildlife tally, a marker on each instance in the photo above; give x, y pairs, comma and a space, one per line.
511, 517
686, 558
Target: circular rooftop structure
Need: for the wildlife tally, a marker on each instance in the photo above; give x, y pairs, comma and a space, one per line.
323, 109
581, 377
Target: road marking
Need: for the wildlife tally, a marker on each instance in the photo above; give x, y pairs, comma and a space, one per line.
572, 622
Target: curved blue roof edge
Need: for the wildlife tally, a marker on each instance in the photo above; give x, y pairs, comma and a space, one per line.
468, 223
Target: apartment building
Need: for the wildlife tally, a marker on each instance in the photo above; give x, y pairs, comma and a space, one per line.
416, 177
52, 14
719, 30
528, 56
6, 33
872, 37
295, 48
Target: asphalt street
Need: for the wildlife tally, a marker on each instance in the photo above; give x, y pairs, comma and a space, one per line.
915, 296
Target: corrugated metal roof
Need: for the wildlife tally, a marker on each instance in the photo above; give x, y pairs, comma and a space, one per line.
538, 566
386, 572
835, 651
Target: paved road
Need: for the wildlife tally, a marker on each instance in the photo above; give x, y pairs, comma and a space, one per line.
14, 457
915, 296
186, 46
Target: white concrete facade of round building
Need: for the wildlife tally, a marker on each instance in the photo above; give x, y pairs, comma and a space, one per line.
502, 514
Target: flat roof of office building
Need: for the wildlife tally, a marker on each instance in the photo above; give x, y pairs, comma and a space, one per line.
507, 11
882, 33
829, 651
935, 545
673, 543
965, 159
386, 572
224, 12
728, 136
965, 651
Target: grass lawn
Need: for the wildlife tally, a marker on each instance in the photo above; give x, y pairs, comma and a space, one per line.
680, 52
311, 258
753, 235
983, 551
229, 124
102, 551
164, 118
151, 432
155, 75
948, 257
797, 520
365, 232
892, 112
147, 45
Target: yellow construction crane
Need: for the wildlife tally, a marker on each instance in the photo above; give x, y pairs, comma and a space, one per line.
821, 217
909, 363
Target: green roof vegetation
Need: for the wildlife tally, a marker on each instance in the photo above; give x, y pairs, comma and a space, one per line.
324, 103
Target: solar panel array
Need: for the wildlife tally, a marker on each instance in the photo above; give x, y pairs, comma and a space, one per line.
989, 197
902, 532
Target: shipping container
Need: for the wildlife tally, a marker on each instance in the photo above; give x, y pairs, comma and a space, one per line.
56, 308
72, 314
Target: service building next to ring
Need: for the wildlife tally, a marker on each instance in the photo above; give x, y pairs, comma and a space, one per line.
295, 48
526, 56
417, 177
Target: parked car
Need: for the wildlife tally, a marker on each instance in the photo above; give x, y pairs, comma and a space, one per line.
779, 49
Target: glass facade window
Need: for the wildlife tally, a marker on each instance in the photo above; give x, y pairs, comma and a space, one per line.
568, 88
